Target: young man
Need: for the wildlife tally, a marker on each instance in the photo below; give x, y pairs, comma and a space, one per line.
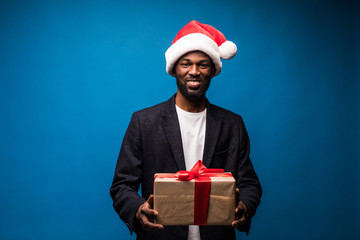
173, 135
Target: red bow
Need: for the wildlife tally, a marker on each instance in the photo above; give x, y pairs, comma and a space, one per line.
198, 171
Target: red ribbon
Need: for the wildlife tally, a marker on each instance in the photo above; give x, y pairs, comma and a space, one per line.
202, 175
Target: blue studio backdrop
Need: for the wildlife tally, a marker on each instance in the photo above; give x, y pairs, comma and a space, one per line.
73, 72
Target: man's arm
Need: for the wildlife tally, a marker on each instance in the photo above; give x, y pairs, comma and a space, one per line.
132, 209
127, 177
248, 186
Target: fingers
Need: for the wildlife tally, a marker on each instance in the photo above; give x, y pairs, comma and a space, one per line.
148, 207
240, 209
146, 214
239, 217
147, 225
241, 214
239, 222
145, 209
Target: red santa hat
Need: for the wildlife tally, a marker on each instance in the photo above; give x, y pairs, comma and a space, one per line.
196, 36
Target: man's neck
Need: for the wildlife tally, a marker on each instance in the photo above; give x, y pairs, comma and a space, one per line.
189, 106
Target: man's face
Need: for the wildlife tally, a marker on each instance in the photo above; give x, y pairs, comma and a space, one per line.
193, 73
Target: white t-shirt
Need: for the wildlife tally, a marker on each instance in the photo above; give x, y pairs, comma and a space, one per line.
192, 128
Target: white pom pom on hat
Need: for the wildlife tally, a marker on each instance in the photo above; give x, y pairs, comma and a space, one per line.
227, 50
196, 36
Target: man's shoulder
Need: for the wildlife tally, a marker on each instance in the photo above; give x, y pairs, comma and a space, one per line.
230, 120
157, 109
223, 113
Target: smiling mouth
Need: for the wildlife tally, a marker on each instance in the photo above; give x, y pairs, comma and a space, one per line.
193, 83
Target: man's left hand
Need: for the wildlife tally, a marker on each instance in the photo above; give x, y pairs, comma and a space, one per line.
241, 212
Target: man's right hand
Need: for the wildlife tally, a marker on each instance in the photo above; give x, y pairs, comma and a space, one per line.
145, 215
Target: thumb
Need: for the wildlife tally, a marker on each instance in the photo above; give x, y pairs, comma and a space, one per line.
237, 196
150, 200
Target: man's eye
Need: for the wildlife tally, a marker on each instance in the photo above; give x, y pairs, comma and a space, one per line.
204, 65
185, 64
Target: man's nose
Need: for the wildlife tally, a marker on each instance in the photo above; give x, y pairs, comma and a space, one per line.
194, 70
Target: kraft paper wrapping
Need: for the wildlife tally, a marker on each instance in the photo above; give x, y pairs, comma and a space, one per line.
174, 201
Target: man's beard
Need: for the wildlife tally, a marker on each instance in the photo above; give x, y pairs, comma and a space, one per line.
193, 96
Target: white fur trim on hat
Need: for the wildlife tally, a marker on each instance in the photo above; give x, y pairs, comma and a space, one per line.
193, 42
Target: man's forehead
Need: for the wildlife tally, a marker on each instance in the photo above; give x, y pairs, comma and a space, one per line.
195, 54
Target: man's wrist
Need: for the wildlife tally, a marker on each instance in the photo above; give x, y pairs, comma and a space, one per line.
136, 226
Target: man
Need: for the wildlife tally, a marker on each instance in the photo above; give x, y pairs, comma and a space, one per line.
173, 135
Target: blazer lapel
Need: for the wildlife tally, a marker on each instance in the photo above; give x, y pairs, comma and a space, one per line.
172, 131
213, 126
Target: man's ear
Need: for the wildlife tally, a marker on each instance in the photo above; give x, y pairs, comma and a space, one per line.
174, 68
213, 70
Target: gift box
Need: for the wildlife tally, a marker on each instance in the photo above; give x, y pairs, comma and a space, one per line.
198, 197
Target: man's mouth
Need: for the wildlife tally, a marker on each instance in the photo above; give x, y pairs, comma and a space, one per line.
193, 83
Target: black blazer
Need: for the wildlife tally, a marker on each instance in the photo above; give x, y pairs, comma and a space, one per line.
152, 144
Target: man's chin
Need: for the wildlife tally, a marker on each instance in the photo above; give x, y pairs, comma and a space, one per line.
194, 96
193, 91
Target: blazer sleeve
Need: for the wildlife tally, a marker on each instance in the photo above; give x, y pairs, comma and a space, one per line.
127, 177
247, 180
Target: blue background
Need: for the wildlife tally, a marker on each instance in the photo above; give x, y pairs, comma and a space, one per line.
72, 73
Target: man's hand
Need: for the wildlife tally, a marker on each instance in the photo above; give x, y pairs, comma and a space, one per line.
145, 214
241, 213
